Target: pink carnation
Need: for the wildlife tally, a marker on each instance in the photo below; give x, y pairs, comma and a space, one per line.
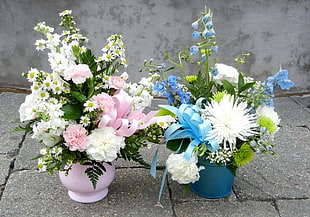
116, 82
104, 102
78, 73
76, 138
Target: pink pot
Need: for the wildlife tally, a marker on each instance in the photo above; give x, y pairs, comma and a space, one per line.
80, 188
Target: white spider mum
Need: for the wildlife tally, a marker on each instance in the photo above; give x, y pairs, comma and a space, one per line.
230, 121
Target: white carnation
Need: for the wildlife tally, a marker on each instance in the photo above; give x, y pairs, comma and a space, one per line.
183, 171
104, 144
226, 72
268, 112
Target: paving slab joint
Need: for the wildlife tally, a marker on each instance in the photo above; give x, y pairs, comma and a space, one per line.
2, 187
171, 199
304, 126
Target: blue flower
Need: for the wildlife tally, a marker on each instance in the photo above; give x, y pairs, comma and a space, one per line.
206, 18
270, 80
282, 74
213, 71
195, 25
269, 88
285, 84
208, 33
169, 98
209, 25
204, 57
215, 49
184, 97
159, 86
172, 79
195, 35
194, 49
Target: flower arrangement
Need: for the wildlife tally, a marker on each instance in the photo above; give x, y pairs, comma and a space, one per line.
81, 111
221, 115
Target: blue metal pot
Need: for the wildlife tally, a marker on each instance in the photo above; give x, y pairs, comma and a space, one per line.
215, 181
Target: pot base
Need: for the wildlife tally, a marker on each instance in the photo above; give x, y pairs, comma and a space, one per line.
88, 197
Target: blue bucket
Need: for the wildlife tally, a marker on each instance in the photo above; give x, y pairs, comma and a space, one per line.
215, 181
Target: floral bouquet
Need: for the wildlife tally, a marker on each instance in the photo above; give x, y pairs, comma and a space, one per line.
222, 116
81, 111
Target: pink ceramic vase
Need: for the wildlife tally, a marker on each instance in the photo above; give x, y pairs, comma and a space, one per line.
79, 186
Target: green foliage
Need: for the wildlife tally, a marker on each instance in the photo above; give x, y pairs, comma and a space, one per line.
72, 111
89, 59
95, 170
138, 140
200, 87
179, 145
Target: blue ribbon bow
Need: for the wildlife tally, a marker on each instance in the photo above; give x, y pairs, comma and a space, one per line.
190, 125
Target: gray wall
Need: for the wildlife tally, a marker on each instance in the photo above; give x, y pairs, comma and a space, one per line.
274, 32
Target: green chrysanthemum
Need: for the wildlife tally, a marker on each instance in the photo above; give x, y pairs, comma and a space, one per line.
191, 78
243, 156
266, 122
218, 96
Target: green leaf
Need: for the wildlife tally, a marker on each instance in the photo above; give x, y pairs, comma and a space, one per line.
228, 87
91, 89
245, 87
174, 145
76, 50
88, 58
240, 80
72, 111
79, 96
163, 112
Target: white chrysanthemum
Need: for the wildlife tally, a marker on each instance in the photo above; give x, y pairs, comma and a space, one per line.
226, 72
183, 171
230, 121
104, 144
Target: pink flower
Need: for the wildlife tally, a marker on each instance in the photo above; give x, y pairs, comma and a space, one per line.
76, 138
116, 82
124, 76
78, 73
104, 102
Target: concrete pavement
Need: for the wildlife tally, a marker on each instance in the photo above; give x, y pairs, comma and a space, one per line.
268, 186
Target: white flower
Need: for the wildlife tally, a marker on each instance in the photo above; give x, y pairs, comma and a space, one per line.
269, 117
26, 112
104, 144
40, 44
230, 121
226, 72
269, 112
183, 171
42, 165
32, 74
65, 12
90, 105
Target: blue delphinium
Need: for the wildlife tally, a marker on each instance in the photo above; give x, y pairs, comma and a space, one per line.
159, 86
172, 90
195, 35
194, 49
195, 25
281, 79
285, 84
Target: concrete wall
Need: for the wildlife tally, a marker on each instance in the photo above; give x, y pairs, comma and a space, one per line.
274, 32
